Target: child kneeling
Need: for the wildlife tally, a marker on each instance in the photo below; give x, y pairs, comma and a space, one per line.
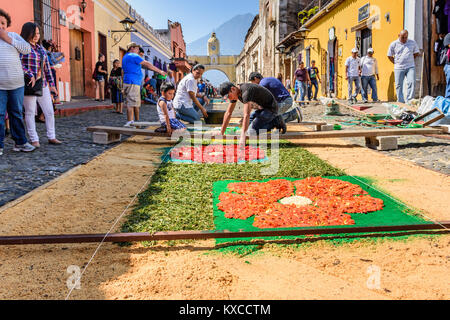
166, 112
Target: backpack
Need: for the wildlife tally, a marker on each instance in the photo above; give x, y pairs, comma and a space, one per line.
443, 57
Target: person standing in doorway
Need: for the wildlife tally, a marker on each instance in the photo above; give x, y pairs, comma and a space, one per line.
132, 78
100, 78
402, 53
352, 75
313, 73
369, 75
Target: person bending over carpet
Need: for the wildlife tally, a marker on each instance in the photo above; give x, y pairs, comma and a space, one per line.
254, 96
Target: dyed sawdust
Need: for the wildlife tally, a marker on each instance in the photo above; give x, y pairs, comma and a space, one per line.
393, 213
90, 199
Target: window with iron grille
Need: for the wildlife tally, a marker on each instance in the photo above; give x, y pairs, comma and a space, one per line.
46, 15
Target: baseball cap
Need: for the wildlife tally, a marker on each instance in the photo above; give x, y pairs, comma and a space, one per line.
355, 50
133, 45
370, 50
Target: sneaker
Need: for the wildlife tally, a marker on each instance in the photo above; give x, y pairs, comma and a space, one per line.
281, 125
299, 114
1, 151
129, 124
24, 148
350, 101
365, 101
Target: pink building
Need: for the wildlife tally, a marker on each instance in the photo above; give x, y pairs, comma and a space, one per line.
70, 24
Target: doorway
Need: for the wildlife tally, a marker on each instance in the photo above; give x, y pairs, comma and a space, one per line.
103, 49
77, 79
332, 66
366, 41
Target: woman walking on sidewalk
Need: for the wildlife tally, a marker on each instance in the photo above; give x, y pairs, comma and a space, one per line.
12, 85
36, 67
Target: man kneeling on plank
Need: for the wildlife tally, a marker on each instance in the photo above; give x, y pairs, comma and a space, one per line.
256, 97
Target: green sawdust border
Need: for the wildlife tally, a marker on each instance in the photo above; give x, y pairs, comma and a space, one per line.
393, 213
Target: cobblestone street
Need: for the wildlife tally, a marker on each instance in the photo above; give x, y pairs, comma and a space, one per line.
21, 173
428, 152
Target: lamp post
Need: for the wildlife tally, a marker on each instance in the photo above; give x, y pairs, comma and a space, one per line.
83, 6
127, 25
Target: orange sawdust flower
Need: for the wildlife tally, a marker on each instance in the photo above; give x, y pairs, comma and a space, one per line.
332, 201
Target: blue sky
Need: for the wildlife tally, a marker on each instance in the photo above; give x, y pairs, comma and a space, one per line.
197, 17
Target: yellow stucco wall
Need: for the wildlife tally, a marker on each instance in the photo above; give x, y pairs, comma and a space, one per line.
345, 16
108, 13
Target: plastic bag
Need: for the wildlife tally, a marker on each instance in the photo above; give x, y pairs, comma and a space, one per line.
394, 110
426, 105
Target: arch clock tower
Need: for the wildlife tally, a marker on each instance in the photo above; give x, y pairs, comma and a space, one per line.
214, 49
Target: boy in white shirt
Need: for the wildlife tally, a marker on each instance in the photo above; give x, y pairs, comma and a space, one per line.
369, 70
352, 74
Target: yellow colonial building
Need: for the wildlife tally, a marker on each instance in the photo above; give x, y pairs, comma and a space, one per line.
108, 14
341, 25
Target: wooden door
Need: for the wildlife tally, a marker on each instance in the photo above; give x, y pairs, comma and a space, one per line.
122, 54
76, 63
102, 48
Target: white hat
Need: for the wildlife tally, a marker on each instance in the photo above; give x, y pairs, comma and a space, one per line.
370, 50
355, 50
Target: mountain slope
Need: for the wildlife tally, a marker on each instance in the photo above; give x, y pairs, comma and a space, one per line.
231, 35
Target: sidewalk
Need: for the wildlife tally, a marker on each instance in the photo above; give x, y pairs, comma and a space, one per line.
81, 105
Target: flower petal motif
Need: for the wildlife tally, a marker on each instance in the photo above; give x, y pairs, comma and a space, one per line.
333, 200
216, 153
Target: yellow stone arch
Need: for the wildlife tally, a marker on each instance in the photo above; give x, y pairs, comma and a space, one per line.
226, 64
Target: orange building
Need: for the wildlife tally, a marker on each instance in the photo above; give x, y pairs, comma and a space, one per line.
70, 24
179, 50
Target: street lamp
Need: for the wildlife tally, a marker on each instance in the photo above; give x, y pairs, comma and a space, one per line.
281, 48
83, 5
127, 24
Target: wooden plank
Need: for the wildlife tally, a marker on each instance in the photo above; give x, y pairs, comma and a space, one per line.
293, 135
127, 131
222, 234
340, 134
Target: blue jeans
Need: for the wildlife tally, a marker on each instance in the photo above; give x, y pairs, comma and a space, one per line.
372, 82
447, 77
12, 100
357, 82
315, 84
400, 75
268, 120
190, 115
283, 107
303, 87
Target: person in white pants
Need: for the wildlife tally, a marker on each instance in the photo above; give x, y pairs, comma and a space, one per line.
30, 105
36, 65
